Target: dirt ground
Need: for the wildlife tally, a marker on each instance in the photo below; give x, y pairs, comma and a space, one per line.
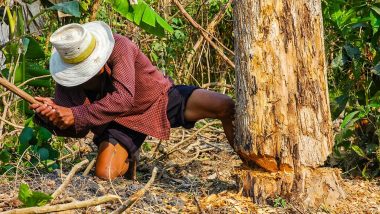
196, 176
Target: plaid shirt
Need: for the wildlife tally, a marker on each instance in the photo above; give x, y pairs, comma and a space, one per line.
138, 99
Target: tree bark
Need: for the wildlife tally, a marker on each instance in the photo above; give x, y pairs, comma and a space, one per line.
283, 116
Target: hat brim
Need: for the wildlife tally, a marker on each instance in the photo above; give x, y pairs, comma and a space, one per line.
71, 75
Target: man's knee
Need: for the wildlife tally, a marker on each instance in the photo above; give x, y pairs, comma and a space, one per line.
227, 108
112, 161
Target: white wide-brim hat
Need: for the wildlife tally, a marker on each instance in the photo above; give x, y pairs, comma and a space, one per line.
79, 52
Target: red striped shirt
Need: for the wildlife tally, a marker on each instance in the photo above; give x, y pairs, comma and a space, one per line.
138, 102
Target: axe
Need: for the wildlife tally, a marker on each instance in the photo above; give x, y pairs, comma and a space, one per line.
14, 89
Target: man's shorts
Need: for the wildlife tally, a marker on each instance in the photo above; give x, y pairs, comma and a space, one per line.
132, 140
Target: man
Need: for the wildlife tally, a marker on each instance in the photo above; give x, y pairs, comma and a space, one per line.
107, 85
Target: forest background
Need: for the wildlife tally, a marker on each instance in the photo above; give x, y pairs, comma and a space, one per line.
352, 51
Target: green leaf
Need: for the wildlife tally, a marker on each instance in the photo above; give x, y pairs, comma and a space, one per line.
5, 157
18, 75
71, 7
20, 22
36, 70
139, 11
32, 198
34, 51
158, 30
376, 70
352, 52
38, 199
164, 24
25, 43
149, 17
338, 105
25, 138
30, 122
24, 193
358, 151
376, 9
43, 153
142, 15
349, 118
26, 135
43, 135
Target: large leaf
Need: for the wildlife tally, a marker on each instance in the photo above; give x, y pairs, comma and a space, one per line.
36, 70
138, 11
34, 51
149, 17
143, 16
71, 7
164, 24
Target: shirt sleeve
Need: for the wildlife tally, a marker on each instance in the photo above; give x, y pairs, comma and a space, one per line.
114, 104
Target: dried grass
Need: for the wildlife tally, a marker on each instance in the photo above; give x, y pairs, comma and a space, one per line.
198, 178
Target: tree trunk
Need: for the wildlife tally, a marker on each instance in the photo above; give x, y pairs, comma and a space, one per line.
283, 119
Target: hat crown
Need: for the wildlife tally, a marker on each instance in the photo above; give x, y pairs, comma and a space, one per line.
71, 41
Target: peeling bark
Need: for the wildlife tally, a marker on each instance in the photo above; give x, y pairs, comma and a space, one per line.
283, 115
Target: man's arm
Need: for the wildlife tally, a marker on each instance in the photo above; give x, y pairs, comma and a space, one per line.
114, 104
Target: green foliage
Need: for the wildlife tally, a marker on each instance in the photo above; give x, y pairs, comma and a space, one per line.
279, 202
145, 146
352, 35
32, 198
142, 15
71, 7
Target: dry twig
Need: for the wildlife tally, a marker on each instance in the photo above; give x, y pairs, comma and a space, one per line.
89, 167
68, 178
131, 200
63, 207
204, 34
178, 145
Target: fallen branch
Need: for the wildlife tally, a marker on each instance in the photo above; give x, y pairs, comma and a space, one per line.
89, 167
68, 178
11, 124
204, 34
178, 145
63, 207
132, 199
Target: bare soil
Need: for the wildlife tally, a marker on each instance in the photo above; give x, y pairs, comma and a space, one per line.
199, 177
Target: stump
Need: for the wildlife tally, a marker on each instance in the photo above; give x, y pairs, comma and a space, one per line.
310, 188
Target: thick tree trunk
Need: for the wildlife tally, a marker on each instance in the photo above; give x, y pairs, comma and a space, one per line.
283, 119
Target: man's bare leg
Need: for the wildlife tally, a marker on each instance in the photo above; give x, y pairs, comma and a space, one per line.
112, 161
208, 104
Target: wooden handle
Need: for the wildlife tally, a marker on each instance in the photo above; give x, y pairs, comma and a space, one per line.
18, 91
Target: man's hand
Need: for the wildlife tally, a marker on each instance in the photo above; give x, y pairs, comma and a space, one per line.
61, 117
